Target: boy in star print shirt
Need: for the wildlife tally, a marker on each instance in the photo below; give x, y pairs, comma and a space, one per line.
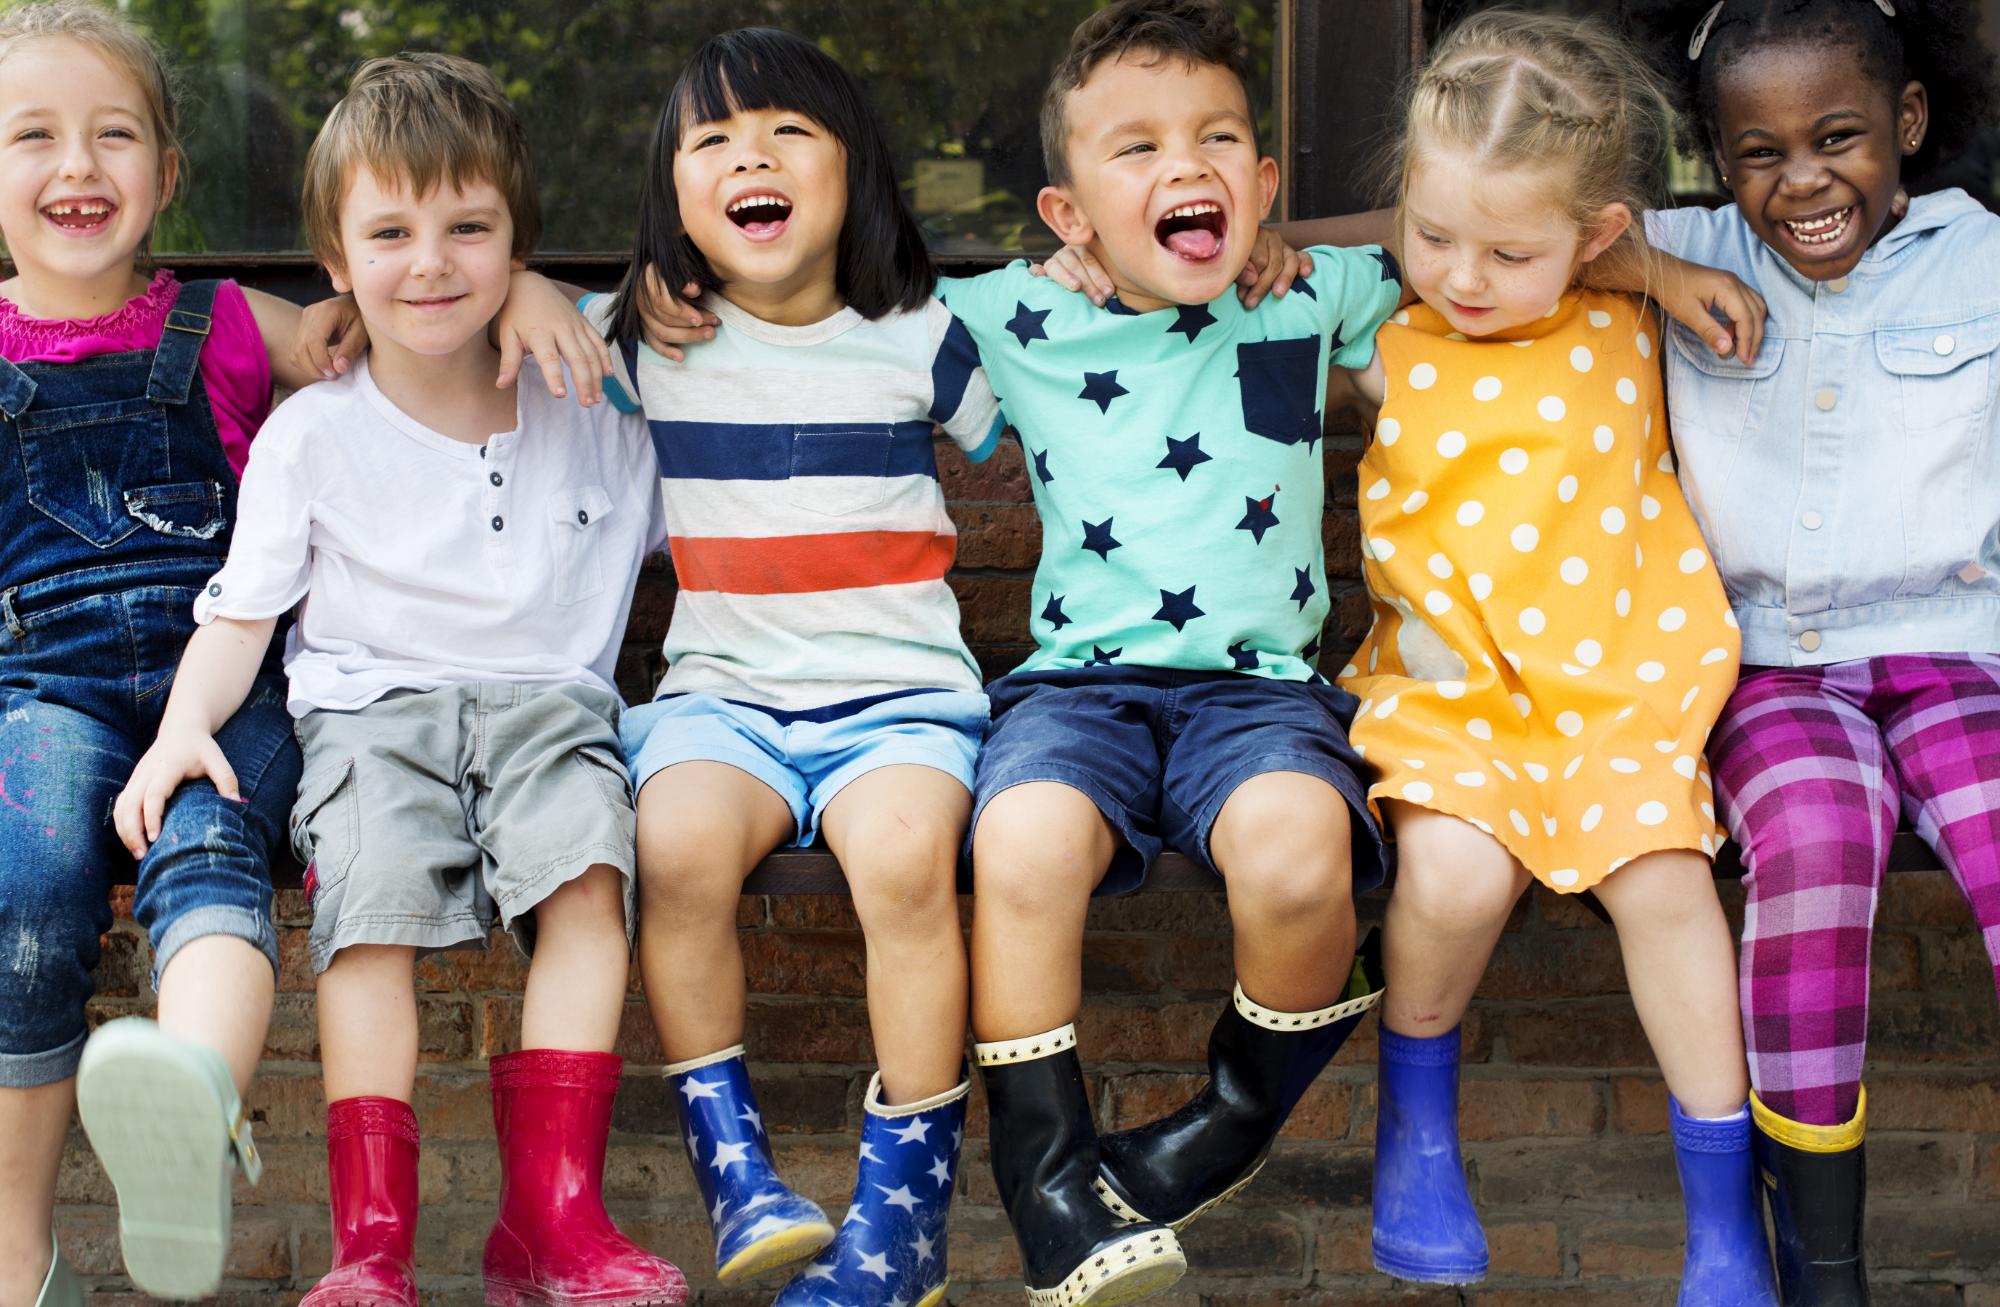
1172, 697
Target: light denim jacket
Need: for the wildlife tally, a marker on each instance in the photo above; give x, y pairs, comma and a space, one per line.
1849, 480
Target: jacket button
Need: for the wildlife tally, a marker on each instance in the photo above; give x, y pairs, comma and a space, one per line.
1944, 345
214, 589
498, 522
1825, 399
495, 478
1811, 521
1809, 641
583, 517
1837, 285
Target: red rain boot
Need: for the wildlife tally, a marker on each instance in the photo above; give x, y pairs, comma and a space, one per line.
553, 1245
371, 1157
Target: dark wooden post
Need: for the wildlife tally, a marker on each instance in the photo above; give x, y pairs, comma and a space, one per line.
1349, 58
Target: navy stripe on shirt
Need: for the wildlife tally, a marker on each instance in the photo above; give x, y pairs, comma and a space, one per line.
759, 451
951, 371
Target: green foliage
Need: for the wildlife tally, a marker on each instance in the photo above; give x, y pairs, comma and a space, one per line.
951, 78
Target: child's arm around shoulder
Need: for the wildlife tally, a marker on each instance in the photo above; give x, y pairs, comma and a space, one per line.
962, 399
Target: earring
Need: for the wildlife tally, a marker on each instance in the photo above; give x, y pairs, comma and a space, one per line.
1913, 142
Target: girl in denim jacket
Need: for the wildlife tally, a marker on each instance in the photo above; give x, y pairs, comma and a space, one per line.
1848, 482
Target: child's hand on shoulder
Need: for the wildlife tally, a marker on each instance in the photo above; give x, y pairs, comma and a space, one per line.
1720, 307
668, 321
179, 754
1272, 268
331, 336
541, 318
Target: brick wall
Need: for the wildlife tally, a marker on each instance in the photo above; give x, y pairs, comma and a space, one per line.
1564, 1115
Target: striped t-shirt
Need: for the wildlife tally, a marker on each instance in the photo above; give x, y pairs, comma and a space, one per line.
808, 530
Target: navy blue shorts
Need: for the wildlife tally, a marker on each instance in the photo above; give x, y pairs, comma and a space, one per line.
1160, 751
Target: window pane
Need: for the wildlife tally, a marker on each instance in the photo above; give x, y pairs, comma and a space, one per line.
958, 83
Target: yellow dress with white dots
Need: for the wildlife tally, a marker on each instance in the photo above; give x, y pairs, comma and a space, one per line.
1551, 642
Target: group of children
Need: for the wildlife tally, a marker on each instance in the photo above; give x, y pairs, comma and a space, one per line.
1589, 588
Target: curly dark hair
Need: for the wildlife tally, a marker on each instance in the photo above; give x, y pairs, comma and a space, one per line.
1935, 42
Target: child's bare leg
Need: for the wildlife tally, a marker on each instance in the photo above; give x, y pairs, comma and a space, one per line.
702, 827
896, 831
1284, 844
1455, 886
217, 991
368, 1023
576, 982
33, 1126
1039, 851
1681, 966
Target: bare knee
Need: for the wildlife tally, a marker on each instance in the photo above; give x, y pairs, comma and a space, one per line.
903, 872
1670, 890
1286, 852
593, 901
1039, 847
692, 865
1452, 877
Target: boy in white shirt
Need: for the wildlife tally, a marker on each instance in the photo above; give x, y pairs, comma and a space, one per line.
463, 558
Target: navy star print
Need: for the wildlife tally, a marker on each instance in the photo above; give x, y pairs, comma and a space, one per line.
1042, 467
1097, 538
1257, 515
1311, 651
1191, 319
1101, 657
1184, 455
1026, 323
1177, 610
1246, 658
1100, 388
1305, 288
1305, 589
1054, 615
1390, 272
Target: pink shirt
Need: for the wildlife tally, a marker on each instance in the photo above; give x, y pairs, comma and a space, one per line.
234, 366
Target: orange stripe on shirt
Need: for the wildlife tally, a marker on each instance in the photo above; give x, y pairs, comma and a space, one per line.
770, 565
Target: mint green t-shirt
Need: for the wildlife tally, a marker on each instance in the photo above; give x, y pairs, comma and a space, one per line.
1175, 461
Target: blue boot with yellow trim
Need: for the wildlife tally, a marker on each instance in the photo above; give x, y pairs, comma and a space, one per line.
1816, 1180
760, 1225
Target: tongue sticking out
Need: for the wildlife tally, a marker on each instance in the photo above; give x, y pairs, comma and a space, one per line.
1194, 243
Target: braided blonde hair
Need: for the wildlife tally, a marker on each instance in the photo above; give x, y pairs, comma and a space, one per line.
1561, 96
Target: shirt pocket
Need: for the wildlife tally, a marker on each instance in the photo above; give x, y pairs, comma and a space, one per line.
1711, 396
193, 510
1944, 374
576, 536
839, 470
326, 823
1279, 380
1944, 380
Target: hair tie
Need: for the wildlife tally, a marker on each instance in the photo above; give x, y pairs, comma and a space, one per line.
1707, 25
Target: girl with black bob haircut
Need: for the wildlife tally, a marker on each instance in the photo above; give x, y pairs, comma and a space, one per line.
882, 263
816, 677
1869, 603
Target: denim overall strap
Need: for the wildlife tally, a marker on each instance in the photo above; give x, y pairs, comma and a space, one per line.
17, 390
178, 357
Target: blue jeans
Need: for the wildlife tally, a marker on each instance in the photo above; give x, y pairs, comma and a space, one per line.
82, 687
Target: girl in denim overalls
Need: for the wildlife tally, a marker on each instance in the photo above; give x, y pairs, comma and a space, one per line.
126, 408
1848, 483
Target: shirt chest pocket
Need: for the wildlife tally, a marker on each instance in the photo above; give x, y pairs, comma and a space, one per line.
577, 518
1280, 384
1716, 398
1944, 375
840, 470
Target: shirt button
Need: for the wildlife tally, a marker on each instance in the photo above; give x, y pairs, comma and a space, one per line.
1825, 399
583, 517
482, 451
1944, 344
1811, 521
494, 477
1837, 285
498, 522
1809, 641
214, 589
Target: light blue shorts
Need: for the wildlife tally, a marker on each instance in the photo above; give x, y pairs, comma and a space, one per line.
808, 757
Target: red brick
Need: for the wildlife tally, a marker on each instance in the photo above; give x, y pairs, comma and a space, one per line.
1589, 1033
1639, 1105
784, 1030
1659, 1294
1938, 1101
1003, 536
1982, 1295
1986, 1172
1510, 1109
1126, 964
1171, 1032
991, 608
1002, 478
1561, 964
1630, 1249
1896, 963
1200, 966
1340, 535
1952, 960
1524, 1248
813, 912
1342, 1243
811, 963
1923, 898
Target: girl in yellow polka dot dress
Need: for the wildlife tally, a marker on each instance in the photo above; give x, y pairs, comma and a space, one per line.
1551, 642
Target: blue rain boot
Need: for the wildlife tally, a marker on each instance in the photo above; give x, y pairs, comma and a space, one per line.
760, 1224
1426, 1230
890, 1249
1728, 1260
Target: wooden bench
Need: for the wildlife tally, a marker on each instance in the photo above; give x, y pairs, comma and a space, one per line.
814, 871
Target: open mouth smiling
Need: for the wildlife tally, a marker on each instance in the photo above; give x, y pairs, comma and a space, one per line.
1193, 232
81, 215
1827, 229
760, 216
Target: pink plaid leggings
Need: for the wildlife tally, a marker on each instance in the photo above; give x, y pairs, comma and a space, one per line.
1812, 766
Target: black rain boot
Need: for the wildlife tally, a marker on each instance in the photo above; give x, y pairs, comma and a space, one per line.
1259, 1064
1073, 1250
1816, 1178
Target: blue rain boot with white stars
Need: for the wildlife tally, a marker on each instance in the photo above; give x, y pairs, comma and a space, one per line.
890, 1249
760, 1224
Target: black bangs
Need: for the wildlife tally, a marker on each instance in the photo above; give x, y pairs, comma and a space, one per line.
882, 265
